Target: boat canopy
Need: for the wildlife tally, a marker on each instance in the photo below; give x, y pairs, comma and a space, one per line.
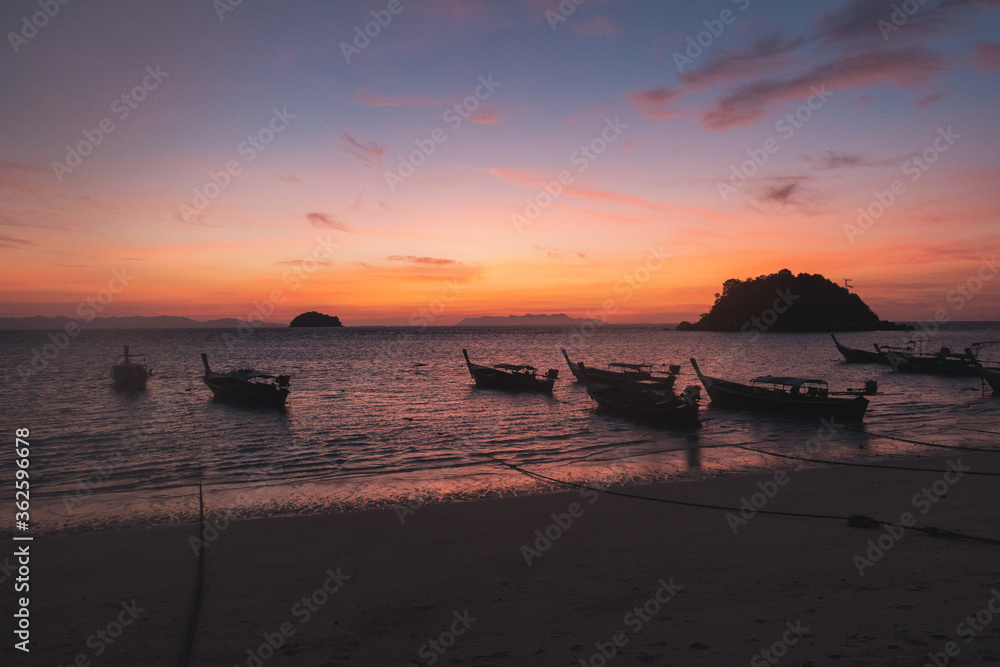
787, 381
515, 367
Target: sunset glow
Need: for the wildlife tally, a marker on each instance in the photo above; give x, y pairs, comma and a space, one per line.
368, 159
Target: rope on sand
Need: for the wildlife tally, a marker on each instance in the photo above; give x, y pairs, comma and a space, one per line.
925, 444
858, 465
854, 521
196, 604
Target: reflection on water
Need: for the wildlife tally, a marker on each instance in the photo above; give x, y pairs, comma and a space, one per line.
381, 415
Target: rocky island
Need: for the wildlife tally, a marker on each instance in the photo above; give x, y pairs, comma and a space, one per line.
784, 302
314, 319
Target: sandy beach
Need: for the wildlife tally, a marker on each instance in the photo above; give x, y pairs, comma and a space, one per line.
616, 580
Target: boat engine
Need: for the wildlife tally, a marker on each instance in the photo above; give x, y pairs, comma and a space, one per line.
283, 380
674, 369
552, 373
871, 387
692, 394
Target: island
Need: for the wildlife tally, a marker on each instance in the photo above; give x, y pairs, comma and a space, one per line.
784, 302
559, 319
314, 319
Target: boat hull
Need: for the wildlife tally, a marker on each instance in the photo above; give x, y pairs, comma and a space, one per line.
129, 377
250, 393
586, 374
855, 356
992, 377
736, 395
643, 406
494, 378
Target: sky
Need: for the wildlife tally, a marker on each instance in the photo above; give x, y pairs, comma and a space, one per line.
421, 161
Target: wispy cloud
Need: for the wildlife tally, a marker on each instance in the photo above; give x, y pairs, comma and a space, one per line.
841, 160
599, 26
326, 220
368, 153
987, 56
7, 241
412, 259
370, 99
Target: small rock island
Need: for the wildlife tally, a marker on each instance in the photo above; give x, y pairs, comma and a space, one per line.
314, 319
784, 302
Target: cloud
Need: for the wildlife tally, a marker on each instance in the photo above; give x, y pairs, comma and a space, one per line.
607, 216
288, 178
370, 99
987, 56
599, 26
368, 153
326, 220
526, 179
906, 69
930, 98
485, 115
297, 262
652, 104
422, 260
840, 160
7, 241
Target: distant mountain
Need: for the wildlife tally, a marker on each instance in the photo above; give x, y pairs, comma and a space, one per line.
559, 319
784, 302
136, 322
315, 319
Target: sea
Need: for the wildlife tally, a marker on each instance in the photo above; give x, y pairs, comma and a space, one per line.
390, 417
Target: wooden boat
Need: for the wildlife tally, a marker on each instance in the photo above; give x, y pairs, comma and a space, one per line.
620, 372
647, 400
991, 375
854, 355
514, 377
130, 372
247, 386
942, 362
798, 396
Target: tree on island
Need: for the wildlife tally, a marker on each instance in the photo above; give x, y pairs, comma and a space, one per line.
784, 302
314, 319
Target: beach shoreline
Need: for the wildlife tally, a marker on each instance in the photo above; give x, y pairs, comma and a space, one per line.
561, 578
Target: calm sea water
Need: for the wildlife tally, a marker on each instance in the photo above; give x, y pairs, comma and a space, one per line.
379, 416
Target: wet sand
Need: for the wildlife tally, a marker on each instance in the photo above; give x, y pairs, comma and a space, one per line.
642, 582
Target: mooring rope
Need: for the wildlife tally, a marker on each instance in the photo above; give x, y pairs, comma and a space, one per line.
854, 521
199, 584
